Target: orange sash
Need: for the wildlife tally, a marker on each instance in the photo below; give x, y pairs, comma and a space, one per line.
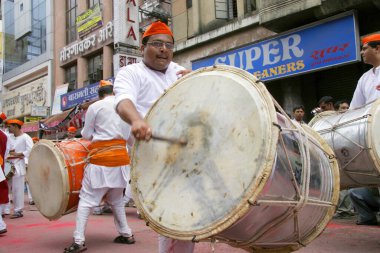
110, 153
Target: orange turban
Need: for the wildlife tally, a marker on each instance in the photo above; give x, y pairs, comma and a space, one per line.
371, 38
35, 139
1, 160
71, 129
157, 28
3, 116
15, 121
103, 83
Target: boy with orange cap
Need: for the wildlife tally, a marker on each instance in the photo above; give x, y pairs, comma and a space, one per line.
138, 86
71, 132
20, 150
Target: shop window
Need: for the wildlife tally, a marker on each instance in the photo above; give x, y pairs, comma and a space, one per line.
91, 3
250, 5
71, 14
189, 4
226, 9
95, 68
71, 77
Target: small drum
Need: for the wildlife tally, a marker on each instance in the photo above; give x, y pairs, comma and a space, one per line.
55, 173
248, 176
355, 139
9, 170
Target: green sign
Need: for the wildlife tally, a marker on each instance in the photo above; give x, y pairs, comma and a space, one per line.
89, 20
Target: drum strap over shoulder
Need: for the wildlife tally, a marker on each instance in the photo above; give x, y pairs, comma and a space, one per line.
110, 153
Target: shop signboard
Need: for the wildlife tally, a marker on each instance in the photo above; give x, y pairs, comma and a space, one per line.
85, 94
89, 20
18, 102
324, 44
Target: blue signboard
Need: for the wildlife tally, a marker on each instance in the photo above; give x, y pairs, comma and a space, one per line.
88, 93
324, 44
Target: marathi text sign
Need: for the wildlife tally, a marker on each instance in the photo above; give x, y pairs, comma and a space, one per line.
318, 46
18, 102
89, 20
73, 98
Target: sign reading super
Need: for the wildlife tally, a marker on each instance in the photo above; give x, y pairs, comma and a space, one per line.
317, 46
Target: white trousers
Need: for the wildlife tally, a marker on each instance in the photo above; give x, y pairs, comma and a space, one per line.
91, 197
18, 192
29, 193
2, 223
168, 245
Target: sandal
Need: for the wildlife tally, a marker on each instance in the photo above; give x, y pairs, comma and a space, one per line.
124, 240
75, 248
16, 215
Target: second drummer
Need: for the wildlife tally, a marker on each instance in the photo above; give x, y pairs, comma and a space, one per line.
106, 174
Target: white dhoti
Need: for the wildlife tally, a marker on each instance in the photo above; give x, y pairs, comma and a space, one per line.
100, 181
168, 245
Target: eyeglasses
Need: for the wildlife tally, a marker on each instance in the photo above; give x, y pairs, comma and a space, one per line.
160, 44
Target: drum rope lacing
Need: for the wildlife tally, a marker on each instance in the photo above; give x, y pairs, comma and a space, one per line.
334, 129
303, 193
73, 161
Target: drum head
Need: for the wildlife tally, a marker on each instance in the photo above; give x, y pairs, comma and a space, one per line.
47, 178
199, 189
321, 115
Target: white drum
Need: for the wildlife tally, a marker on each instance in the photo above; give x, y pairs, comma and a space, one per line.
248, 176
355, 137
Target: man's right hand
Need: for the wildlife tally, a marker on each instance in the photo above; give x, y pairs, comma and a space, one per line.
141, 130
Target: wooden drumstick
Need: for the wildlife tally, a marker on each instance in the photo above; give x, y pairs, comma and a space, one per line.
181, 141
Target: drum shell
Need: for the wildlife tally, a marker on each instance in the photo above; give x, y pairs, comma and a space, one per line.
55, 172
238, 227
353, 135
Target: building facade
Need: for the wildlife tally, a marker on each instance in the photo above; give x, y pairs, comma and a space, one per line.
27, 59
251, 34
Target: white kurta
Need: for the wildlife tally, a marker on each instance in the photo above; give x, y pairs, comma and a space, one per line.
103, 123
367, 89
21, 144
143, 86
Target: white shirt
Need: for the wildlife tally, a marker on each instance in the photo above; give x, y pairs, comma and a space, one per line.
103, 123
142, 85
21, 144
368, 88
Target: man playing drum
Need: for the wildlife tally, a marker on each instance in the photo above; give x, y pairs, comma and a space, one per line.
107, 170
20, 150
138, 86
367, 200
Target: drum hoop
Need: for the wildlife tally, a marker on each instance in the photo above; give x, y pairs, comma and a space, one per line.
371, 130
63, 168
320, 116
336, 184
256, 186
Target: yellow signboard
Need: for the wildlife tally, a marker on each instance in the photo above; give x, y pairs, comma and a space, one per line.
89, 20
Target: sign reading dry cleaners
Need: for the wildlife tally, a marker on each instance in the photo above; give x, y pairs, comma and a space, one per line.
320, 45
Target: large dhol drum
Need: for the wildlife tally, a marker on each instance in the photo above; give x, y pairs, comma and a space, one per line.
355, 138
55, 173
248, 176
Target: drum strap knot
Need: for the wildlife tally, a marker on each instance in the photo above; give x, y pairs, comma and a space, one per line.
110, 153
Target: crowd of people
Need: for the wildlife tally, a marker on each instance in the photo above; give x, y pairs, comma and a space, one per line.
117, 119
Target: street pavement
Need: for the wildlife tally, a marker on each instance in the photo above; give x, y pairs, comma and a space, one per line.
34, 233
